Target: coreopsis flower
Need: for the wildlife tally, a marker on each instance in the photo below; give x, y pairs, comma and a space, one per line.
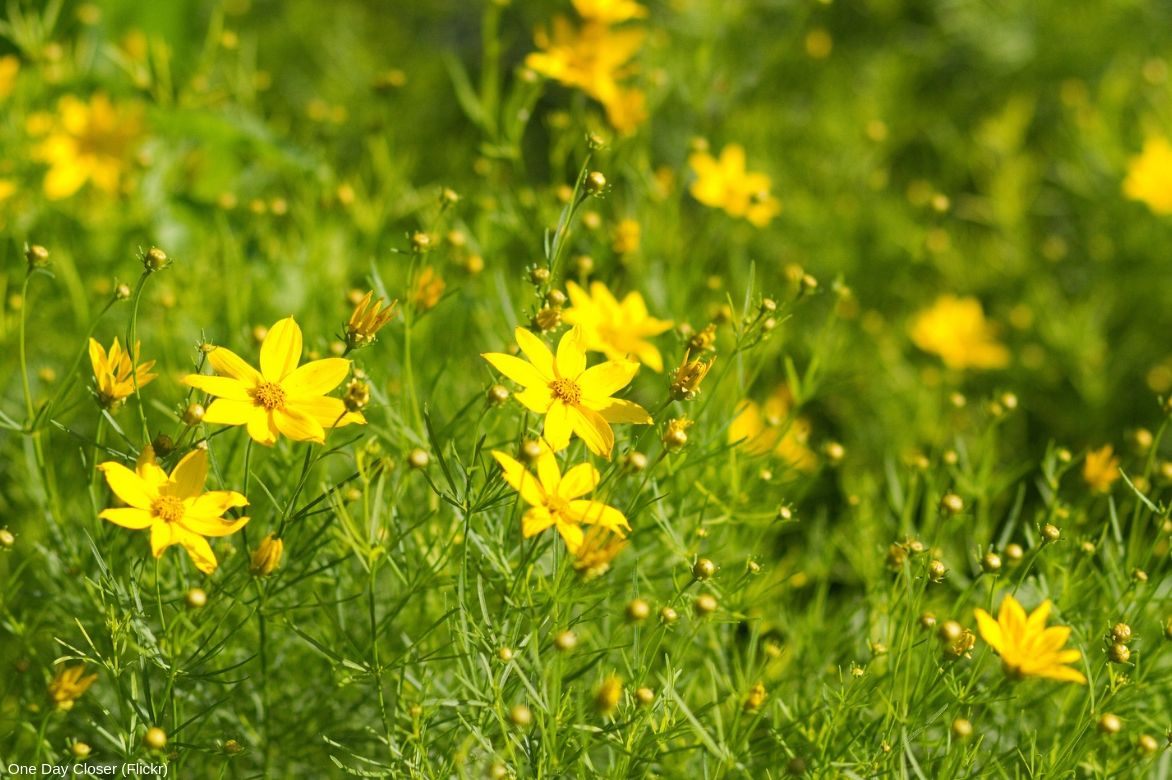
956, 330
600, 546
609, 11
594, 58
686, 379
725, 184
1100, 469
771, 427
173, 506
1027, 648
627, 237
429, 288
266, 558
610, 692
87, 142
68, 685
367, 320
9, 68
573, 398
281, 398
116, 372
555, 500
1149, 176
616, 329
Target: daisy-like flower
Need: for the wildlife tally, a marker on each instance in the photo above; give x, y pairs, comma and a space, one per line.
1100, 469
173, 506
280, 398
771, 427
725, 184
1149, 176
116, 372
367, 320
600, 546
1027, 648
69, 685
555, 500
956, 330
616, 329
573, 398
87, 142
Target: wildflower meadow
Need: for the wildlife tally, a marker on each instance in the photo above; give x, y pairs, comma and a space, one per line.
585, 389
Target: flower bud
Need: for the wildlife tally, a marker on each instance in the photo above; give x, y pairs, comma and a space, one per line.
595, 183
1110, 724
193, 414
196, 598
418, 458
37, 256
638, 610
155, 739
266, 558
565, 641
155, 259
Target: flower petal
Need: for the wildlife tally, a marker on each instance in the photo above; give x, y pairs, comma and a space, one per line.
571, 360
128, 517
592, 428
558, 427
520, 480
536, 399
329, 412
213, 526
617, 410
1012, 618
538, 354
298, 425
128, 486
225, 411
597, 513
548, 472
536, 520
315, 378
990, 629
197, 547
578, 481
148, 468
214, 503
161, 538
228, 363
219, 386
281, 350
572, 534
606, 379
190, 474
521, 372
261, 427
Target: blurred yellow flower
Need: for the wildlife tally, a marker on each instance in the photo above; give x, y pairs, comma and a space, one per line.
9, 68
1027, 648
429, 288
627, 237
956, 330
7, 189
555, 500
68, 685
600, 546
1149, 176
367, 320
92, 142
173, 506
594, 58
617, 329
609, 11
573, 398
1100, 469
116, 372
772, 427
280, 398
725, 184
266, 558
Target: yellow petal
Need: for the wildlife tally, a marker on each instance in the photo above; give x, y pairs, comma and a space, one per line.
190, 474
64, 179
298, 425
147, 467
315, 378
536, 399
598, 513
548, 472
198, 548
212, 504
649, 356
98, 358
329, 412
558, 427
990, 629
1037, 619
281, 350
128, 517
228, 363
571, 361
520, 480
604, 380
535, 520
538, 354
219, 386
593, 430
578, 481
1012, 618
212, 526
572, 535
521, 372
161, 538
128, 486
261, 427
616, 410
224, 411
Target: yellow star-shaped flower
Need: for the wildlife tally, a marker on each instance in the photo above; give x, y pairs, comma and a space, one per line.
617, 329
1027, 648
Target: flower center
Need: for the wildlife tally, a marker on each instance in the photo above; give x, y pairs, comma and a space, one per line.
269, 395
556, 504
169, 509
566, 391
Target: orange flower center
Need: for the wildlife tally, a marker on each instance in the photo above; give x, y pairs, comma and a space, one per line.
566, 391
169, 509
269, 395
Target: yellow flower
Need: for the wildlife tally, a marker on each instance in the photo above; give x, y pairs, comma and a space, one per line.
367, 320
771, 427
599, 547
686, 379
725, 184
88, 142
610, 11
266, 558
116, 372
68, 685
1100, 469
573, 398
7, 190
556, 500
173, 506
956, 330
594, 58
1027, 648
616, 329
280, 398
627, 237
9, 67
1149, 176
429, 288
